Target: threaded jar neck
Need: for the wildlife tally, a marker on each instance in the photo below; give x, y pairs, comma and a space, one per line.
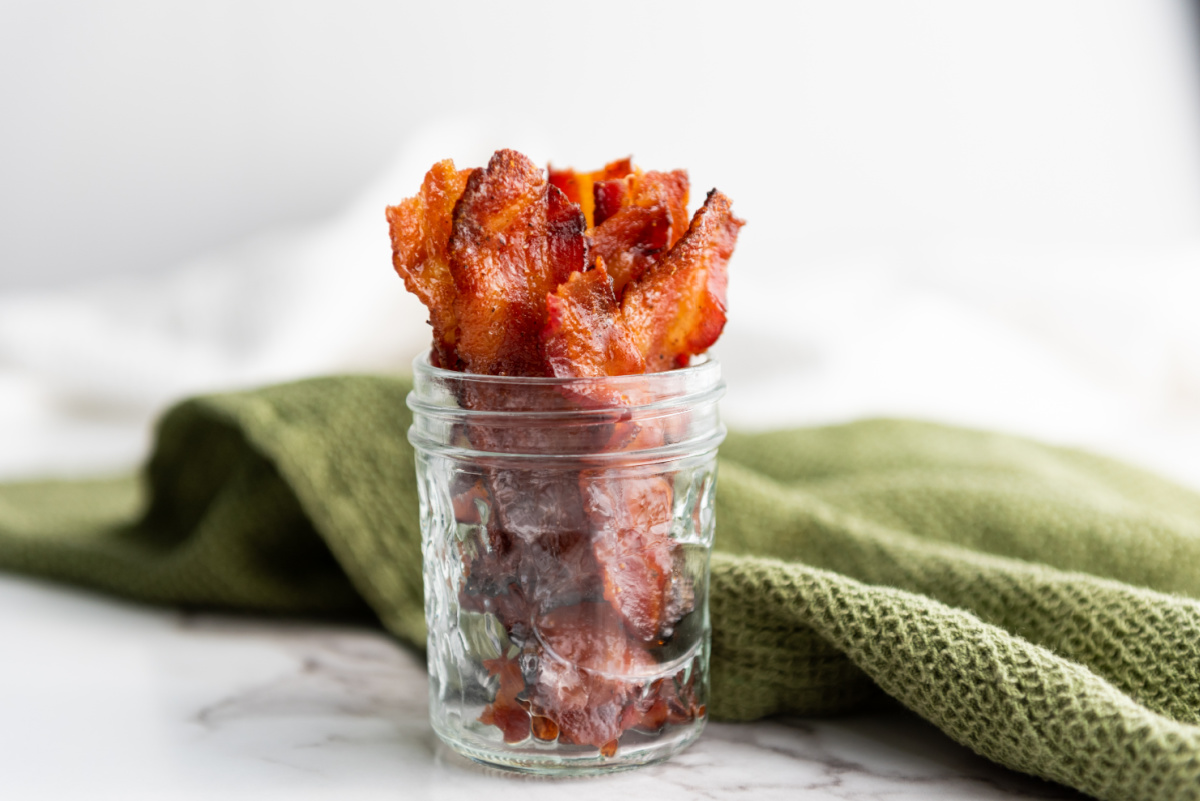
634, 419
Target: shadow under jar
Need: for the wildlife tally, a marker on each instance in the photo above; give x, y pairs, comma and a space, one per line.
566, 527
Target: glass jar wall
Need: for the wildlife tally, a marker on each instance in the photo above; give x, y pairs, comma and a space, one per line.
567, 526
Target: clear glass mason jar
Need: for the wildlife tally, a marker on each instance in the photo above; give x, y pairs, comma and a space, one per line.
566, 527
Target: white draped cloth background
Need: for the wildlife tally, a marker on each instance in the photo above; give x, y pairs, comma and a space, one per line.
1096, 349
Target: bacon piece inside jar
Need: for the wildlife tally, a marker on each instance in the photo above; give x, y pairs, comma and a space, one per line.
582, 672
506, 711
631, 523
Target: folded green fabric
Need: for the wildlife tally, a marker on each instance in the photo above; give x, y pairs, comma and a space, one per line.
1035, 603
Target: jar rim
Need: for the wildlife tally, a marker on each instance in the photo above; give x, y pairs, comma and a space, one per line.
516, 418
701, 367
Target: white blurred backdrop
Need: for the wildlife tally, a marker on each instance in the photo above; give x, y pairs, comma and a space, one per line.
986, 213
139, 133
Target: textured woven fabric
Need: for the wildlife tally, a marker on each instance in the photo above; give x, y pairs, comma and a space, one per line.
1035, 603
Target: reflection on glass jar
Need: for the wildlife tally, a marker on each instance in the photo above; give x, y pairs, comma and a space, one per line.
567, 526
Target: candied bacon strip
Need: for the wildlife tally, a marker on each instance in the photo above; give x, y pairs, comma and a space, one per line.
615, 169
630, 242
584, 335
515, 238
651, 220
578, 186
565, 238
567, 181
677, 308
608, 197
420, 232
673, 311
671, 190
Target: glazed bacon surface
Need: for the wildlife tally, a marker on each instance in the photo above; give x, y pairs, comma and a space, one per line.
420, 228
515, 238
491, 253
677, 308
580, 187
569, 275
643, 216
585, 334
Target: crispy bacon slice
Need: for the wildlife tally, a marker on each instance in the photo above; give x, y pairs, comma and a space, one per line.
420, 231
578, 187
630, 241
608, 197
568, 182
565, 238
515, 238
651, 220
677, 308
584, 335
669, 189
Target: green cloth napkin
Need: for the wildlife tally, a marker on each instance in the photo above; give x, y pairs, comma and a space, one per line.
1036, 603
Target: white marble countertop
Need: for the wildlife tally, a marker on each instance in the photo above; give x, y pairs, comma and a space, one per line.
105, 699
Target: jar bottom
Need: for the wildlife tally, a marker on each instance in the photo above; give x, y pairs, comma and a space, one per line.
545, 759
